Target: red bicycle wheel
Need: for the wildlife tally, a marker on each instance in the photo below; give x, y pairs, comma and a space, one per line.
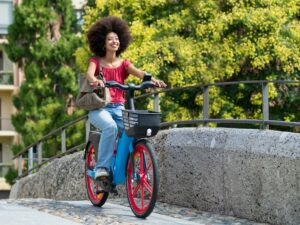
142, 184
97, 198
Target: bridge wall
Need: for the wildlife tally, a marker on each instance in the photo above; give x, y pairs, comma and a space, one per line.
247, 173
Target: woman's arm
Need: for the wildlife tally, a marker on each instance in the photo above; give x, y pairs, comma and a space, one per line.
91, 77
131, 69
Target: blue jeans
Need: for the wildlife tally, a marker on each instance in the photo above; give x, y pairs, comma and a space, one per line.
109, 120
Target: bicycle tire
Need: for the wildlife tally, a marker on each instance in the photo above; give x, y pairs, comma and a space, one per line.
146, 179
97, 199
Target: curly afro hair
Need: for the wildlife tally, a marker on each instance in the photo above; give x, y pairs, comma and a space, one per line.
97, 34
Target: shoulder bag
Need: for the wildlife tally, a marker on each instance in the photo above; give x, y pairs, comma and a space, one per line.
90, 98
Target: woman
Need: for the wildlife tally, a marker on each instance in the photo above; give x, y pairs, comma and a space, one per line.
107, 39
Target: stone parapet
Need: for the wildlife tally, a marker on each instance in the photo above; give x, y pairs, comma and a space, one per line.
253, 174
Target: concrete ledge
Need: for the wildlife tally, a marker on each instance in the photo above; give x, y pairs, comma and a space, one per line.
250, 174
62, 179
246, 173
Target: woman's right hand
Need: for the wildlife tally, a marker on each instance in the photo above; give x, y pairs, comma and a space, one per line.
97, 83
91, 78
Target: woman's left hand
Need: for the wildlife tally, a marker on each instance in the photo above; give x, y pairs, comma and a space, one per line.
159, 83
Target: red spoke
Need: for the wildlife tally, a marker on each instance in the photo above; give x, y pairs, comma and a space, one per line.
141, 162
148, 167
136, 190
148, 187
143, 196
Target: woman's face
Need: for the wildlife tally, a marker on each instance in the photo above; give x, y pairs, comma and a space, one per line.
112, 42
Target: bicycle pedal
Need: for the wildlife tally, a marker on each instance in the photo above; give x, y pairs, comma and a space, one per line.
102, 178
105, 184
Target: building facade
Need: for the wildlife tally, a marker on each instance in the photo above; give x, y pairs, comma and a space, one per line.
10, 80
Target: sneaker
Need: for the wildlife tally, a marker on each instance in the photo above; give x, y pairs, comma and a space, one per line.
101, 173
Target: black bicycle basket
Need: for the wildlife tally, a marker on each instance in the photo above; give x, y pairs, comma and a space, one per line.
141, 123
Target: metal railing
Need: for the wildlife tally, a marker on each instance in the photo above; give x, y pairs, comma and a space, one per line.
37, 158
6, 78
265, 122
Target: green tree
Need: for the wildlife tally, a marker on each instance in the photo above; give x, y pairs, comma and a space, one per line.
186, 42
42, 39
11, 175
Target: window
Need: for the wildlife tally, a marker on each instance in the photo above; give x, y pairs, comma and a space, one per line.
0, 115
6, 15
1, 61
1, 154
6, 69
79, 18
1, 160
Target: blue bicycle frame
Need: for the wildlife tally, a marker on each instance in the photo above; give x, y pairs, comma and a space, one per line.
119, 161
124, 148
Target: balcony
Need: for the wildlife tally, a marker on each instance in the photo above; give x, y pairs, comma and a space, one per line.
6, 128
4, 168
7, 80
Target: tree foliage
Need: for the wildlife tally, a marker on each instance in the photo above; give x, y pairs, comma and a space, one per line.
186, 42
42, 39
11, 175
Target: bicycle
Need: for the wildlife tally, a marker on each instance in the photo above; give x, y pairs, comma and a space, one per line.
134, 161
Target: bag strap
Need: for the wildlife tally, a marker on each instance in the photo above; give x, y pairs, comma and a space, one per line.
100, 73
85, 85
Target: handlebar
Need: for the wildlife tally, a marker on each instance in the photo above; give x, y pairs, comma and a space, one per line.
130, 86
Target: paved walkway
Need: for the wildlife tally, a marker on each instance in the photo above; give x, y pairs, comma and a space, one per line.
114, 212
11, 214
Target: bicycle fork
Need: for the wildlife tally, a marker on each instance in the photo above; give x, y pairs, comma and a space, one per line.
135, 175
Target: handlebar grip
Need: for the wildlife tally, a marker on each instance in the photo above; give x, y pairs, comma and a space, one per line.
146, 84
116, 84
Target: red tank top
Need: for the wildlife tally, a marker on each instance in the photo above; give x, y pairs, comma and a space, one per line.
118, 74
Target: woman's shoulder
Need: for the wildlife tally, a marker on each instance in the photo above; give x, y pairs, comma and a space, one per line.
95, 60
122, 62
125, 62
